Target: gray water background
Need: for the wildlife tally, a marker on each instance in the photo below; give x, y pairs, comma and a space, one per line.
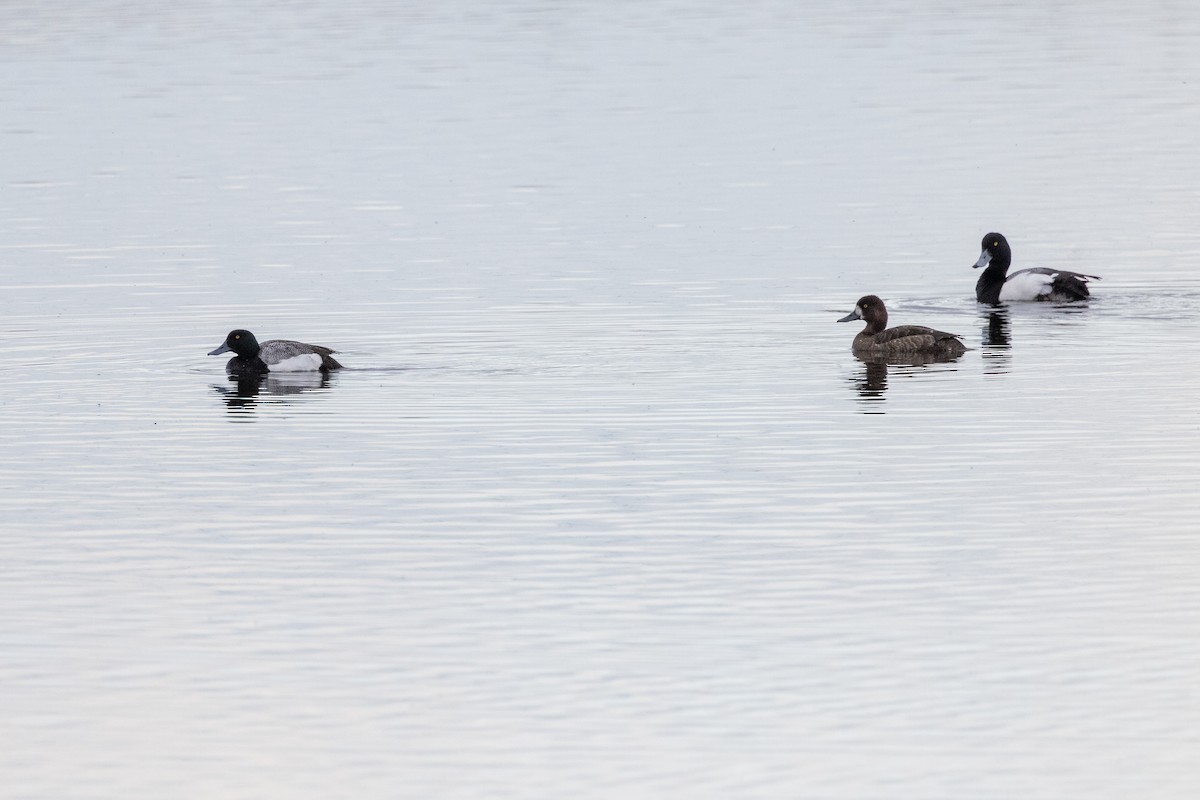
603, 506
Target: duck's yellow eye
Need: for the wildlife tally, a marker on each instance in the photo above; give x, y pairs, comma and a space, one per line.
995, 244
238, 336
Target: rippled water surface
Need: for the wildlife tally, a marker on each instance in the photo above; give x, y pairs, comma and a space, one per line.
603, 505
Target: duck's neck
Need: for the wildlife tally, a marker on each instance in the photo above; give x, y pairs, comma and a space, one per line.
987, 288
998, 265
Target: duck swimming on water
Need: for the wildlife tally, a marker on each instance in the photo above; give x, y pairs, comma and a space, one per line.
903, 340
274, 355
995, 285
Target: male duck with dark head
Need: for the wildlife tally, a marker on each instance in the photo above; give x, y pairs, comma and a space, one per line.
995, 285
877, 339
274, 355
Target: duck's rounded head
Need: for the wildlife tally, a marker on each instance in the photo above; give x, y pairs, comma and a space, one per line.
241, 342
994, 248
871, 310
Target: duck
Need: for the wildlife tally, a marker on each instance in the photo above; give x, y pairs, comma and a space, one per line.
274, 355
996, 286
877, 339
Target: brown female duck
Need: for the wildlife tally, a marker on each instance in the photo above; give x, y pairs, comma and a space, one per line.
877, 339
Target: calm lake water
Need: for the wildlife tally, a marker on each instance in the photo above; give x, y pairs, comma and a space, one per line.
602, 506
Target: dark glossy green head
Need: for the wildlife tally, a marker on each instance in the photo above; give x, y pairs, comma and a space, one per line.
239, 342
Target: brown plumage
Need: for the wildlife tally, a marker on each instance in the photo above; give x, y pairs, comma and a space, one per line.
878, 339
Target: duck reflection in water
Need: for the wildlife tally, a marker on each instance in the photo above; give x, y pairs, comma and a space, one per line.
872, 382
249, 389
997, 342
